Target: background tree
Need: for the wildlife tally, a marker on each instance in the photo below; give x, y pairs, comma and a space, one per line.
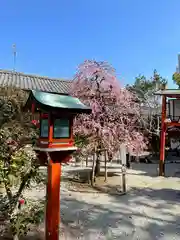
176, 79
115, 113
18, 164
144, 90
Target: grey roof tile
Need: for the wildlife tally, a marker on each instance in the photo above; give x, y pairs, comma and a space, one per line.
33, 82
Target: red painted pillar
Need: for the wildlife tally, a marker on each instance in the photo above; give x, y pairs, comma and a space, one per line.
33, 108
163, 138
53, 201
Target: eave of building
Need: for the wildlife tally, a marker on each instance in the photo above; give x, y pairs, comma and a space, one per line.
171, 93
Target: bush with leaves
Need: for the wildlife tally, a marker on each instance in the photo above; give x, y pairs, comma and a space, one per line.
19, 167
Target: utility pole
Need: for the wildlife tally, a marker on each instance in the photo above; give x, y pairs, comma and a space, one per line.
14, 56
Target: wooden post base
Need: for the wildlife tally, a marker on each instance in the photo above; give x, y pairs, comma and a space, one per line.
161, 168
53, 201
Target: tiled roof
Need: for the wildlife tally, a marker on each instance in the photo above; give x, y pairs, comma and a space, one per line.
33, 82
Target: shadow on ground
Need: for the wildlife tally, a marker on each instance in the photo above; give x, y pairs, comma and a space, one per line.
151, 170
147, 214
151, 212
140, 214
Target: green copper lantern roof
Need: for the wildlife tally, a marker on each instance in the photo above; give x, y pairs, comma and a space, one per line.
65, 102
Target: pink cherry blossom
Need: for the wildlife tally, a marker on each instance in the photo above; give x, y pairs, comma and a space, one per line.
115, 116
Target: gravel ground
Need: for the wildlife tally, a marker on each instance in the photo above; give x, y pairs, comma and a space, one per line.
150, 209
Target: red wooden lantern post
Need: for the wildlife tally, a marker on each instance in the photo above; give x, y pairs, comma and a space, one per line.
55, 145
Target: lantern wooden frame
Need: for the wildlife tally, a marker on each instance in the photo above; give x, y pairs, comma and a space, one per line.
55, 142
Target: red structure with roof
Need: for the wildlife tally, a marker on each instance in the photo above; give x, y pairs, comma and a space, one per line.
168, 119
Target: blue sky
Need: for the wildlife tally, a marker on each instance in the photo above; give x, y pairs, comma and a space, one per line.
53, 37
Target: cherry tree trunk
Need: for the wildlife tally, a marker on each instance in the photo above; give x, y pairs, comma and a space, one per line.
93, 170
87, 160
105, 166
15, 237
98, 164
128, 160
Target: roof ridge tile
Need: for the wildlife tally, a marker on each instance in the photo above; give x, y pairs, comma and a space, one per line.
34, 75
35, 82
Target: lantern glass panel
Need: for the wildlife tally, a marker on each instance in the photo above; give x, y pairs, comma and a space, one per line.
61, 128
44, 129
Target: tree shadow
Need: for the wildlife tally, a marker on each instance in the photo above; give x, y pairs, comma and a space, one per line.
146, 214
140, 214
151, 170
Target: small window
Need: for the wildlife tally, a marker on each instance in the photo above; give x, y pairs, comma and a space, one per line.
61, 128
44, 128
